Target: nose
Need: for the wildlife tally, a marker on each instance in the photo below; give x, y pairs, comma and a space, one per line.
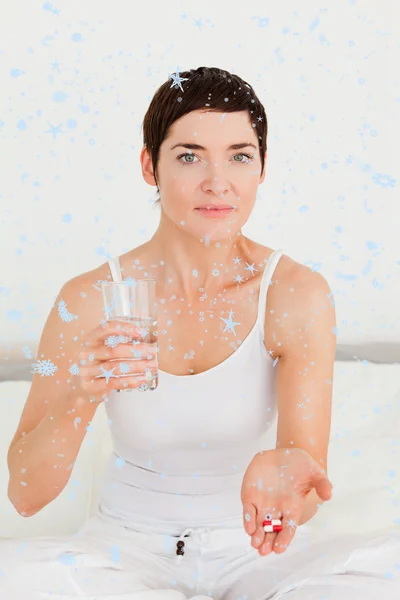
218, 182
219, 186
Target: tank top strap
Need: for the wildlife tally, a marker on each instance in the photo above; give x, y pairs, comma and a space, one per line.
266, 281
115, 269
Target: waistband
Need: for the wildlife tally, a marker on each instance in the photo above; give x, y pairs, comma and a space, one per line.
201, 536
191, 541
218, 538
140, 522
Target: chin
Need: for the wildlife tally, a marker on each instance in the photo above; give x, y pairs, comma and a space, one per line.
214, 232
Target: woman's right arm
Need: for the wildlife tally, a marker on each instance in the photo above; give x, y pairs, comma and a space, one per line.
41, 462
54, 421
67, 390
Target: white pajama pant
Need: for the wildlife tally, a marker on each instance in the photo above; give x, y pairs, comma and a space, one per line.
109, 561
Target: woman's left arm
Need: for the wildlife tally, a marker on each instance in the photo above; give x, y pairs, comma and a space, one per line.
306, 333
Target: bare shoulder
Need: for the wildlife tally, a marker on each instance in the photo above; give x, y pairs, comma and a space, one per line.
290, 275
286, 269
88, 284
295, 294
85, 291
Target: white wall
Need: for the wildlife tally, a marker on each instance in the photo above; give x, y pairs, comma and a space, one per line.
327, 74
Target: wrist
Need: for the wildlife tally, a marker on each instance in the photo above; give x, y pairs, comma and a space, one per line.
77, 404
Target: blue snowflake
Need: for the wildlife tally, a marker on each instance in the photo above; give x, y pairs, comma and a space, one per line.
67, 558
143, 388
115, 554
109, 310
64, 313
177, 79
384, 180
230, 325
55, 129
130, 281
26, 352
44, 367
113, 340
109, 373
291, 523
74, 369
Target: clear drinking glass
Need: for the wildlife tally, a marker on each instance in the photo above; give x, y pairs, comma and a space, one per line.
134, 301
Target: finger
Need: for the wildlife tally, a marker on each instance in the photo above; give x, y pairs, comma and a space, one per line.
320, 481
249, 518
267, 546
270, 537
284, 537
117, 368
324, 488
262, 514
97, 387
97, 354
112, 328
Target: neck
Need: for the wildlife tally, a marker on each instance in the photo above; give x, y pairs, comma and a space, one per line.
191, 263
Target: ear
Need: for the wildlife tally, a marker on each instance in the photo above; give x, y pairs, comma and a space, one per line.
264, 169
147, 167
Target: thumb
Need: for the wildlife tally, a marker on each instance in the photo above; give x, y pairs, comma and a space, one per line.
323, 487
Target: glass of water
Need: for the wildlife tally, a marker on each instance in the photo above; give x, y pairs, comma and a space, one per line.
134, 301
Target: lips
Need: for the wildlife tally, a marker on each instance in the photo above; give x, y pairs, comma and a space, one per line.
212, 213
215, 207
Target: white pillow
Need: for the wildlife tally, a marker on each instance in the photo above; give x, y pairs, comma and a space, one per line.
72, 507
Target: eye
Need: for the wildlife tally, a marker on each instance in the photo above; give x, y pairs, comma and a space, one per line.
248, 158
185, 154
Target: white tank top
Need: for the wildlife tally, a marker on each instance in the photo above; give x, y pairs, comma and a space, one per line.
180, 451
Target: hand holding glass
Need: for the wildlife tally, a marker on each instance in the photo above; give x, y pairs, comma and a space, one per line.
134, 302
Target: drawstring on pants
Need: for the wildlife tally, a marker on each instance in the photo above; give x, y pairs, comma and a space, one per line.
180, 545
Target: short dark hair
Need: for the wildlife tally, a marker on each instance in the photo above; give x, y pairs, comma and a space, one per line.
204, 88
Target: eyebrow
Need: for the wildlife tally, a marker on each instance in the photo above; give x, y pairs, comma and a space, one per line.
198, 147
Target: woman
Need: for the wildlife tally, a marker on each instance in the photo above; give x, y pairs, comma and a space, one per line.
197, 502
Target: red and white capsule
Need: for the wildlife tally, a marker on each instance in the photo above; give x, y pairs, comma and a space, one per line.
272, 525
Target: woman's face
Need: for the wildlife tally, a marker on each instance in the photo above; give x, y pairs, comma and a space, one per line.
215, 173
